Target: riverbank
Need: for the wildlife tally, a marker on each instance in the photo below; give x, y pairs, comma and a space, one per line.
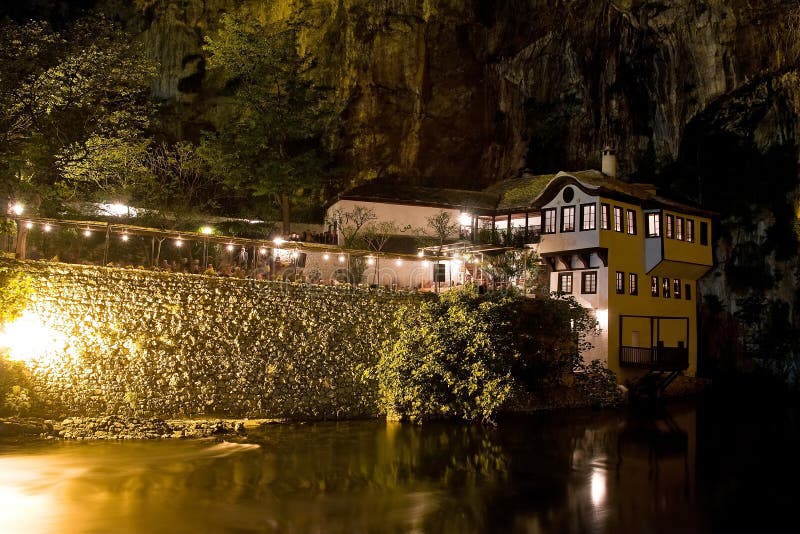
125, 428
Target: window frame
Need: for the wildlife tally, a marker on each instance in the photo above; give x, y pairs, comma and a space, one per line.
618, 221
676, 288
630, 222
605, 216
619, 282
592, 220
653, 219
561, 278
545, 213
666, 287
687, 293
679, 228
655, 286
669, 230
704, 233
564, 210
633, 284
585, 277
689, 231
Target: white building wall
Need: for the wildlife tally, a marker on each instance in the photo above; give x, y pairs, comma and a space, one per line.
578, 239
414, 218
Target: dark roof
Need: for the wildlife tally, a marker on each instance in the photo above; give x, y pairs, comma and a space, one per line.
516, 194
376, 191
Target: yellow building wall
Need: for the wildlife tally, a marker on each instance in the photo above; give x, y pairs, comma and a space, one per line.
684, 251
626, 253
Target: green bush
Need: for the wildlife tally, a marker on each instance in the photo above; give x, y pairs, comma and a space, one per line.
15, 289
17, 400
451, 358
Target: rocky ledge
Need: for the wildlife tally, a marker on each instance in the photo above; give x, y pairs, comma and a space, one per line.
123, 428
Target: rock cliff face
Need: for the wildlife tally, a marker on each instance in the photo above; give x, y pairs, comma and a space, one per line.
699, 96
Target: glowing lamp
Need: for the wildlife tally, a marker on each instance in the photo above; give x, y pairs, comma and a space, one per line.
465, 219
17, 208
229, 247
398, 262
341, 258
124, 237
263, 251
370, 261
179, 242
206, 230
294, 254
279, 241
28, 225
87, 232
326, 256
47, 228
421, 253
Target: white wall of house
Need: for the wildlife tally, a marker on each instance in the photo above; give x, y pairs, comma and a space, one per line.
415, 217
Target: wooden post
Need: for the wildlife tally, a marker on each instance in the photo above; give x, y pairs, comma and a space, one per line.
108, 238
508, 230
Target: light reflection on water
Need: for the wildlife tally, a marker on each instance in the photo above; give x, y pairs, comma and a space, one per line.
566, 472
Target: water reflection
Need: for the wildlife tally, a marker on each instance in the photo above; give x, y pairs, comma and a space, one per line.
575, 472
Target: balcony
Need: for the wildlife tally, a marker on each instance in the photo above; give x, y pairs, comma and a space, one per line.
654, 358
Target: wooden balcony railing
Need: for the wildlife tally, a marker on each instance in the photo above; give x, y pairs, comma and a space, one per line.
657, 358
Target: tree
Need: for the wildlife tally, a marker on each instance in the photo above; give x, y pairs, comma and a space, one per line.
273, 143
352, 226
73, 106
442, 228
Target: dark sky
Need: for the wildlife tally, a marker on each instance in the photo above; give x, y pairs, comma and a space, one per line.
56, 11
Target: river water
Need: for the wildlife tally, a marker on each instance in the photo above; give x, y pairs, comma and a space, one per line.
688, 468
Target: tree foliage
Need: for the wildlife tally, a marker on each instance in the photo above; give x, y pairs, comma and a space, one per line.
15, 290
73, 106
273, 144
452, 358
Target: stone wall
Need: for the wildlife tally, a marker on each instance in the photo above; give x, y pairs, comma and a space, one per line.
150, 343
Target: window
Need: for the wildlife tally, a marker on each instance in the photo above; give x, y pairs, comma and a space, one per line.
703, 233
620, 282
565, 283
631, 226
568, 219
653, 224
549, 221
676, 288
588, 216
633, 284
654, 286
617, 219
439, 272
679, 228
688, 292
665, 288
670, 229
568, 194
690, 230
589, 282
605, 217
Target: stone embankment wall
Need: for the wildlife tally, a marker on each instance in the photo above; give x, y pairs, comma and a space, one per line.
125, 341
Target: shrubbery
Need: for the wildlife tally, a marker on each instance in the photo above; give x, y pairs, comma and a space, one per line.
452, 358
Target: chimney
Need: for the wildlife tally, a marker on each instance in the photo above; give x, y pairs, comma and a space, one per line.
609, 165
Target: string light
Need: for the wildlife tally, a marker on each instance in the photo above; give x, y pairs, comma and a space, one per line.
206, 230
230, 247
87, 232
421, 253
124, 236
46, 227
294, 254
17, 208
178, 242
326, 256
263, 251
28, 225
279, 241
398, 262
341, 258
370, 261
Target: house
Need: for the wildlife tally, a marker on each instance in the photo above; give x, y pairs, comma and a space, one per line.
621, 249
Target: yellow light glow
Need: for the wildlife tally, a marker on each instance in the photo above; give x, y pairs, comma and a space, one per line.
47, 228
279, 241
326, 256
294, 254
341, 258
28, 340
230, 247
87, 232
263, 251
398, 262
425, 263
370, 261
421, 253
206, 230
28, 225
465, 219
178, 242
17, 208
124, 237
